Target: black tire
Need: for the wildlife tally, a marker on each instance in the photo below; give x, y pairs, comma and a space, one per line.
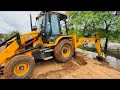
9, 67
58, 51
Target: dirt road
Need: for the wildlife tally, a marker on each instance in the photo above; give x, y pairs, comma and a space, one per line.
52, 69
72, 70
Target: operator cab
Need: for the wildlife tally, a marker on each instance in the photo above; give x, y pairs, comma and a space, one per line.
51, 24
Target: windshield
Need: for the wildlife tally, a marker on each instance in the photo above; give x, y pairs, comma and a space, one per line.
40, 21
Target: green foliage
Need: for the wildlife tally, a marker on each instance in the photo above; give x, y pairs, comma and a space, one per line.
86, 23
115, 36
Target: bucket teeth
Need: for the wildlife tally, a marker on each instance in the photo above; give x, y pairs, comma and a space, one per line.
100, 58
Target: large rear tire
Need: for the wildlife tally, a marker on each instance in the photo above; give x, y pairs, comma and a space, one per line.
19, 67
63, 51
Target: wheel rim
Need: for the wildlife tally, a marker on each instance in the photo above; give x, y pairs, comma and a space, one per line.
66, 51
21, 68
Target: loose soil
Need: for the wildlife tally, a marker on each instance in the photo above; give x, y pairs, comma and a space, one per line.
80, 67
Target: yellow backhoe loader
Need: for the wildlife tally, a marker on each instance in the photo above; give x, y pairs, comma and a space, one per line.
45, 41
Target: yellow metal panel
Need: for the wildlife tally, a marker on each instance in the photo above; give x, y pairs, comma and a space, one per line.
38, 42
12, 49
8, 52
81, 39
57, 40
98, 47
28, 36
96, 39
74, 41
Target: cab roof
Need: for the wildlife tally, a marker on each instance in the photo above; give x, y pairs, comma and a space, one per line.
57, 12
60, 12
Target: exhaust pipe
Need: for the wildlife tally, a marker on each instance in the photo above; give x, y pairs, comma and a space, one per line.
31, 22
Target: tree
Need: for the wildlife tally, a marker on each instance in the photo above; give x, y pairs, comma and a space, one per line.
107, 23
84, 21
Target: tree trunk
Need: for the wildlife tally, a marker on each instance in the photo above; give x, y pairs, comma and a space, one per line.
107, 37
84, 31
106, 44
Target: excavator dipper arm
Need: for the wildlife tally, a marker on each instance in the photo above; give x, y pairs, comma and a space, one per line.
84, 40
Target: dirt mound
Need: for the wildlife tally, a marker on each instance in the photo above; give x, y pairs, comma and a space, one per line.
80, 58
80, 67
57, 74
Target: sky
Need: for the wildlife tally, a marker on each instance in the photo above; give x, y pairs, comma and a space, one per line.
17, 20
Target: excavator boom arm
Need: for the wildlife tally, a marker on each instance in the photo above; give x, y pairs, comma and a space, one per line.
84, 40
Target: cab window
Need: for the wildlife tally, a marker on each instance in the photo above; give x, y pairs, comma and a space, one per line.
55, 25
